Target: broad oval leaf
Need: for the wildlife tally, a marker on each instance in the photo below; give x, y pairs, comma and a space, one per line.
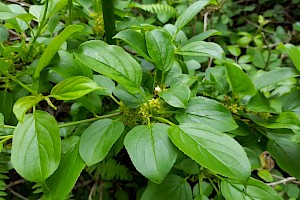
36, 146
209, 112
61, 182
287, 155
233, 189
274, 76
74, 88
293, 52
24, 104
54, 46
190, 13
97, 140
136, 40
201, 48
176, 96
212, 149
113, 62
173, 187
239, 81
160, 49
151, 151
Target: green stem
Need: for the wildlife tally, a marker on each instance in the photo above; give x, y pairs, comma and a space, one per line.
214, 186
21, 84
115, 100
70, 8
200, 184
161, 119
8, 137
40, 28
109, 20
8, 126
89, 120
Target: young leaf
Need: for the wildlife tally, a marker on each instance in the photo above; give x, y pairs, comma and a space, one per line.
201, 48
151, 151
24, 104
36, 147
287, 155
173, 187
274, 76
74, 88
160, 49
97, 140
176, 96
190, 13
113, 62
136, 40
54, 47
209, 112
60, 184
240, 83
234, 189
293, 52
212, 149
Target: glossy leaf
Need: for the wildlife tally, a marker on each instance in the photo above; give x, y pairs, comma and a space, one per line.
60, 184
136, 40
233, 189
220, 82
287, 120
212, 149
176, 96
202, 36
97, 140
6, 104
160, 49
286, 154
24, 104
234, 50
36, 147
105, 83
259, 103
201, 48
209, 112
173, 187
131, 100
151, 151
54, 46
190, 13
274, 76
113, 62
240, 83
293, 52
74, 88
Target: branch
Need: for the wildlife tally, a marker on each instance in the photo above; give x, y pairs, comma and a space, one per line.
283, 181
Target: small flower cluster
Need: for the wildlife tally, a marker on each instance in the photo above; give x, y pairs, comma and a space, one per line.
98, 28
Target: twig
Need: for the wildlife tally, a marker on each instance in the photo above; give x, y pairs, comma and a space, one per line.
11, 184
17, 194
283, 181
257, 26
269, 51
24, 4
205, 22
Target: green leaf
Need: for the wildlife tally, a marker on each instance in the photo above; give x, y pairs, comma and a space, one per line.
234, 50
160, 49
233, 189
60, 184
113, 62
209, 112
24, 104
212, 149
240, 83
131, 100
286, 154
173, 187
201, 48
74, 88
259, 103
293, 52
220, 82
6, 104
105, 83
54, 46
265, 175
92, 102
3, 33
151, 150
190, 13
288, 120
136, 40
97, 140
202, 36
1, 119
176, 96
274, 76
36, 147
